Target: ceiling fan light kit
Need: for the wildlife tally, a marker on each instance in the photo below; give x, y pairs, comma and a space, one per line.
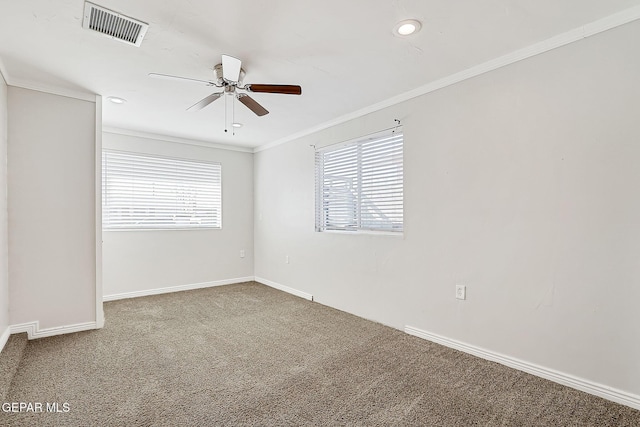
229, 76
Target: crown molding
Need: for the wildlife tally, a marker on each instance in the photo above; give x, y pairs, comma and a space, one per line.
3, 71
51, 89
177, 140
562, 39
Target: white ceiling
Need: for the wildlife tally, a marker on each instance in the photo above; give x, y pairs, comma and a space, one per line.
342, 53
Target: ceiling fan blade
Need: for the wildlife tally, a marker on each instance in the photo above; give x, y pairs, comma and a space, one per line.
252, 104
205, 101
170, 77
231, 68
285, 89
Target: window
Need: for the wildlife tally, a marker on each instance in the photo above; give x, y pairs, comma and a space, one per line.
141, 191
359, 185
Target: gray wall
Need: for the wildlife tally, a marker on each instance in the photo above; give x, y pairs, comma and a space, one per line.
51, 199
4, 240
521, 185
141, 260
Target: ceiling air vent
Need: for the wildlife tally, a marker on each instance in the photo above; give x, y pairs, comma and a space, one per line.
113, 25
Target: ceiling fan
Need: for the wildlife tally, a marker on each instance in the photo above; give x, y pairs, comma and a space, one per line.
229, 77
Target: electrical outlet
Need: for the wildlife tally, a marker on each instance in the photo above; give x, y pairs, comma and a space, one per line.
286, 259
461, 292
241, 253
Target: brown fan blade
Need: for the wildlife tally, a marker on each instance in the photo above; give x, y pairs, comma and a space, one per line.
284, 89
252, 104
205, 101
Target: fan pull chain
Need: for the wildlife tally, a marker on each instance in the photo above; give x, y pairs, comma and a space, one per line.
225, 111
233, 115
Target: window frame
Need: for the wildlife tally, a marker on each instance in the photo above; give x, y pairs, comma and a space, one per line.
388, 141
218, 203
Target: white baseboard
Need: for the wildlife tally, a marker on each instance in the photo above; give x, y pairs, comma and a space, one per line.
284, 288
179, 288
33, 329
4, 337
590, 387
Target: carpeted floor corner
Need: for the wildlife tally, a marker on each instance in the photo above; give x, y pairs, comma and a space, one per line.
250, 355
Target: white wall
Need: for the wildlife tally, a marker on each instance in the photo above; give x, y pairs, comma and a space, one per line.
4, 241
520, 184
135, 261
51, 198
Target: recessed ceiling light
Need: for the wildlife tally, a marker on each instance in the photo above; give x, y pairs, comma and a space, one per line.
117, 100
407, 27
236, 125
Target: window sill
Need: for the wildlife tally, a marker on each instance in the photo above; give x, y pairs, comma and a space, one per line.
365, 232
164, 229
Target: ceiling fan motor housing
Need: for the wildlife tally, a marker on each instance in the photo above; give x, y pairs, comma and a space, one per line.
218, 73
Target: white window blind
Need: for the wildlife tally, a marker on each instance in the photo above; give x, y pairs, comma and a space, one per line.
141, 191
359, 185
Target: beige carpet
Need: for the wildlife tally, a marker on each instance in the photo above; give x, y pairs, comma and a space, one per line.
250, 355
9, 361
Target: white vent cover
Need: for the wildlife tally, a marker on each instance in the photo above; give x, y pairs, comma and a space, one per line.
113, 25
